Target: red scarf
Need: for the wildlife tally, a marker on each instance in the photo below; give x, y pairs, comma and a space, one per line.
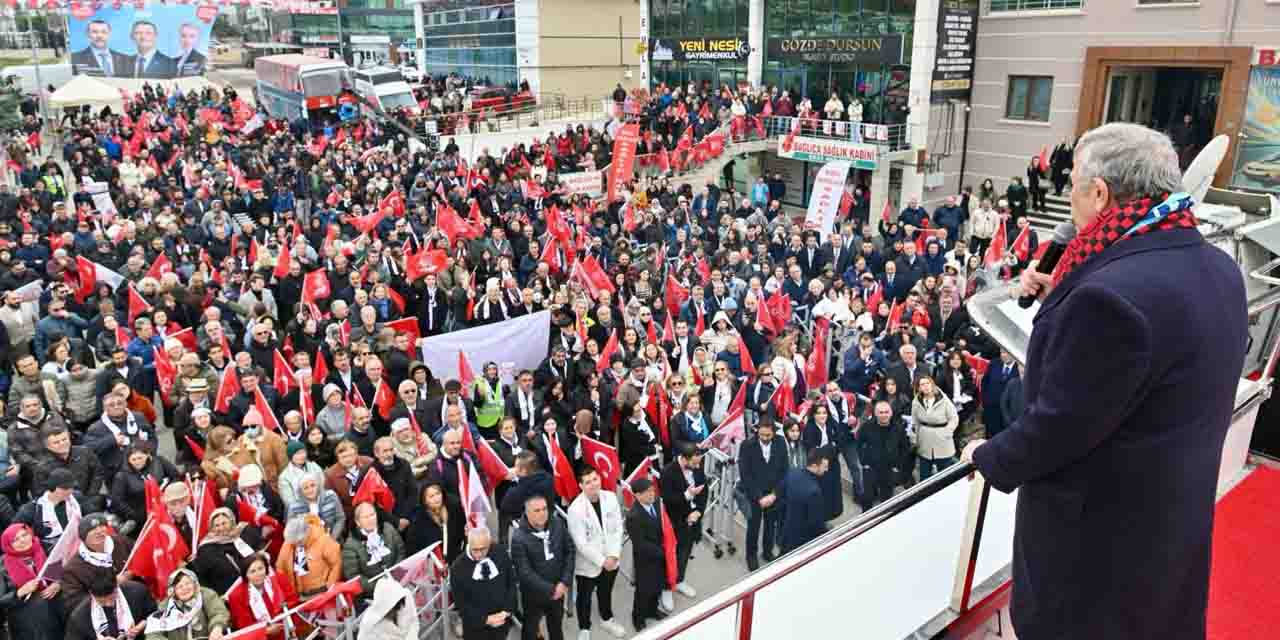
1112, 226
21, 567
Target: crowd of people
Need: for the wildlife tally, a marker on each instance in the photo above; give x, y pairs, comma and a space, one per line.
258, 292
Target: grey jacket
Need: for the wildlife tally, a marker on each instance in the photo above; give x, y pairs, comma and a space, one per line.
355, 556
82, 399
49, 388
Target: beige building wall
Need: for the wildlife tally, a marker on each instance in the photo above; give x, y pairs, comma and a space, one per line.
587, 47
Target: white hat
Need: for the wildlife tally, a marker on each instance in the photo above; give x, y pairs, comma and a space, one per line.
400, 424
250, 476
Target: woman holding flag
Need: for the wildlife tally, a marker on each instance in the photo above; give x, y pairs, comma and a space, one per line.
32, 605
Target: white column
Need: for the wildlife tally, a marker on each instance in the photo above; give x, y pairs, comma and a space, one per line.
923, 52
420, 32
528, 39
880, 192
644, 38
755, 40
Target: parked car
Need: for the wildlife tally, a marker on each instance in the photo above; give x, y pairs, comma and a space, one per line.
411, 74
500, 100
1263, 170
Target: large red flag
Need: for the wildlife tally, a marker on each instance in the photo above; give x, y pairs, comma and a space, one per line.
315, 286
283, 379
816, 366
137, 305
161, 266
282, 263
369, 221
1022, 244
269, 420
228, 387
466, 375
156, 554
166, 373
373, 489
384, 399
604, 458
494, 469
669, 549
610, 348
566, 483
676, 294
995, 252
187, 337
410, 326
748, 367
425, 262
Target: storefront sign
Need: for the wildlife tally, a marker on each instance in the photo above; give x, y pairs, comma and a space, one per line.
1258, 166
684, 50
586, 182
1266, 56
957, 41
859, 156
886, 49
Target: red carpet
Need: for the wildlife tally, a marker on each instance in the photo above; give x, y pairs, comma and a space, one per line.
1245, 583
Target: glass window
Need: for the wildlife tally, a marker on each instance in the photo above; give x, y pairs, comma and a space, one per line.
1040, 5
743, 17
775, 18
1029, 98
798, 19
693, 17
657, 18
724, 17
822, 19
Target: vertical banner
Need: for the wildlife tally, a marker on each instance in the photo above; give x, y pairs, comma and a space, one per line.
824, 200
624, 157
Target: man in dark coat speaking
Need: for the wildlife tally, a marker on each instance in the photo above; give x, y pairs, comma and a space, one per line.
1130, 384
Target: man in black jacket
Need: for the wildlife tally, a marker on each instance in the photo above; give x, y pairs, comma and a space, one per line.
106, 595
483, 584
762, 461
543, 554
644, 527
683, 486
885, 454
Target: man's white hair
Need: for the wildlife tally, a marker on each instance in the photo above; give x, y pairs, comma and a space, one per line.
1132, 159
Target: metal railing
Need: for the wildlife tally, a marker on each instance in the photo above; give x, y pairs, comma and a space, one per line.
892, 136
546, 108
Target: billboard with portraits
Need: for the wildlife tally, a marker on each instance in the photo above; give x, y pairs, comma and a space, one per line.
155, 42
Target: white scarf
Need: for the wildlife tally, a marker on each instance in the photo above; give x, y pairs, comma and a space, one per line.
50, 517
545, 537
477, 574
300, 562
98, 615
130, 426
525, 400
174, 616
444, 409
95, 558
377, 549
486, 312
258, 604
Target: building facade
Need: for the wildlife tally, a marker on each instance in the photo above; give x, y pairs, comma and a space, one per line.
362, 32
1049, 70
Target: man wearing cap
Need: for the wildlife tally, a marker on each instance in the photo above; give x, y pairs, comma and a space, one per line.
55, 509
87, 473
115, 431
644, 527
436, 409
197, 397
102, 552
110, 607
191, 368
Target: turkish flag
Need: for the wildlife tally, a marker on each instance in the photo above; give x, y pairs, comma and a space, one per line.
474, 217
228, 388
410, 326
196, 449
161, 266
137, 305
669, 549
979, 365
748, 367
1022, 244
283, 379
642, 470
1044, 158
566, 483
704, 269
87, 272
594, 276
315, 286
664, 159
887, 213
895, 315
494, 469
604, 459
393, 202
453, 226
166, 373
369, 221
558, 227
156, 554
815, 366
669, 331
466, 376
874, 300
269, 420
610, 348
675, 294
153, 501
659, 411
384, 399
784, 400
350, 589
765, 319
373, 489
282, 263
206, 499
551, 256
780, 308
995, 252
187, 337
254, 632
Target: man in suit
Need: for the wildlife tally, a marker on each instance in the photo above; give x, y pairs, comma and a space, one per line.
483, 582
434, 311
452, 396
894, 286
1117, 455
911, 266
840, 251
98, 59
188, 62
762, 462
945, 320
994, 381
148, 62
907, 370
644, 528
520, 404
680, 352
804, 509
812, 258
684, 486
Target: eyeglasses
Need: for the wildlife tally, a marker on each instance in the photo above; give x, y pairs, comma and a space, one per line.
721, 369
677, 383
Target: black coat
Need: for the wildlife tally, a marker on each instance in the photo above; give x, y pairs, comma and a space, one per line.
883, 448
424, 532
478, 599
757, 477
80, 622
673, 486
128, 489
404, 487
1131, 379
538, 575
804, 512
218, 565
647, 554
993, 384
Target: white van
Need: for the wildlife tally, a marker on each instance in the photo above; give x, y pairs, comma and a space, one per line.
385, 87
50, 74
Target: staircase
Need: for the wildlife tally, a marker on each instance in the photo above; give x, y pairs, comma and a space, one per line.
1057, 210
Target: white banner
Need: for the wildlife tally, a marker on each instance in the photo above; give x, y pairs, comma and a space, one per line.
824, 200
588, 182
521, 343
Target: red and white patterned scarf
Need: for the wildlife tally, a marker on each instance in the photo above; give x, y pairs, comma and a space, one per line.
1120, 222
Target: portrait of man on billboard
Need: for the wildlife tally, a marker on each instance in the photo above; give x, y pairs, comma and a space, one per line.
148, 62
98, 59
188, 61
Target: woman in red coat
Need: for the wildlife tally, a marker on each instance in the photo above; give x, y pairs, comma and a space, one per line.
260, 595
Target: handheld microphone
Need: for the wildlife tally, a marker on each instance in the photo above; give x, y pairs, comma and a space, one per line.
1062, 236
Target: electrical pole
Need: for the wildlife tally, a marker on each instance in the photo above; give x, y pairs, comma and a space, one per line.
35, 57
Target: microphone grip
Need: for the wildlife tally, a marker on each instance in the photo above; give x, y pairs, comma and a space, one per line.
1048, 262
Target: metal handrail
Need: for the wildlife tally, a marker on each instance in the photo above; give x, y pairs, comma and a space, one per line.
744, 590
